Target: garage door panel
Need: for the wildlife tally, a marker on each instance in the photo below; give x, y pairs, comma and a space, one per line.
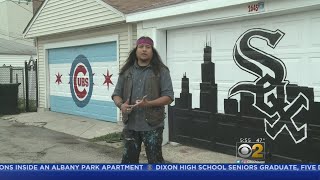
244, 26
182, 60
176, 83
222, 56
101, 96
293, 34
82, 79
195, 98
198, 39
221, 38
180, 40
61, 90
249, 24
227, 71
224, 94
190, 67
103, 52
295, 67
314, 30
314, 72
95, 109
55, 70
317, 93
178, 71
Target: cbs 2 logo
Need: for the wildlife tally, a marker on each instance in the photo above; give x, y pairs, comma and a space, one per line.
251, 150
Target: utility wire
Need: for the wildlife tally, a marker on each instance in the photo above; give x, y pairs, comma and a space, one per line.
21, 6
21, 1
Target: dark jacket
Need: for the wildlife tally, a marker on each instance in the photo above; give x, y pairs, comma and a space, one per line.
154, 115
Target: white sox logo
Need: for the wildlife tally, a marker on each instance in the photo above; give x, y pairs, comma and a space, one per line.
81, 81
270, 84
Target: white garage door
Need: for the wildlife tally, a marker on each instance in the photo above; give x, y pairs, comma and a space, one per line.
82, 79
298, 49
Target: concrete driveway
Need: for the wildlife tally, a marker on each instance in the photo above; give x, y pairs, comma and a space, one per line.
86, 128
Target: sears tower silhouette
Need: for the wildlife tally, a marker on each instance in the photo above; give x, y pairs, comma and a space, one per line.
208, 86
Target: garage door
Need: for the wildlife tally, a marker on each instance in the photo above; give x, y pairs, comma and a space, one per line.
82, 79
299, 50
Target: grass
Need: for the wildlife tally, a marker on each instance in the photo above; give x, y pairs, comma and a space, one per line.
109, 138
33, 105
22, 106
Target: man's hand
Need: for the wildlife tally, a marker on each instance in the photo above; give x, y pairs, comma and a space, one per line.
142, 103
126, 108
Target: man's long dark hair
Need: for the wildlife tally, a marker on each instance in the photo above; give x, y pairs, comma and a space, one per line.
156, 62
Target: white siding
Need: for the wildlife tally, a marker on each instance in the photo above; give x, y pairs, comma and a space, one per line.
67, 15
13, 60
120, 30
134, 35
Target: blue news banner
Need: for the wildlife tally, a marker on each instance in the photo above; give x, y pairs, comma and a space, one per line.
158, 171
160, 167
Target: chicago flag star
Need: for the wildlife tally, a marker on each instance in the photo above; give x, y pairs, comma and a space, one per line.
58, 78
108, 79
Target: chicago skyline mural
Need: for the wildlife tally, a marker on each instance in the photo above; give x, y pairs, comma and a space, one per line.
268, 105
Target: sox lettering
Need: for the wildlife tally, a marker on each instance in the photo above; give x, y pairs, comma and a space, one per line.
270, 84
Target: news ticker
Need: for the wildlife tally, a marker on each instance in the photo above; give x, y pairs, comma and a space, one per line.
159, 167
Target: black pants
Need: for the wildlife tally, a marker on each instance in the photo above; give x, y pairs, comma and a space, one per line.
132, 145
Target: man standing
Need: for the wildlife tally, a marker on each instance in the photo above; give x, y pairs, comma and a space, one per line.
143, 89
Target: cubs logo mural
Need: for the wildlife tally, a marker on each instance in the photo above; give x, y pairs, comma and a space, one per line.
83, 80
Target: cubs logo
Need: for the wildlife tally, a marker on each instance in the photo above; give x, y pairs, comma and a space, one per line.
81, 81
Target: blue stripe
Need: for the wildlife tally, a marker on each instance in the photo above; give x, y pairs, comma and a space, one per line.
102, 110
104, 52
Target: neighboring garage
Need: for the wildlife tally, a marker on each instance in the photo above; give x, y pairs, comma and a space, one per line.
81, 46
80, 77
299, 49
262, 81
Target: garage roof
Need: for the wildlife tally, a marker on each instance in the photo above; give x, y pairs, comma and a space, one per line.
14, 48
132, 6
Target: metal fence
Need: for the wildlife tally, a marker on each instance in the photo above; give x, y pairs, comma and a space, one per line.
27, 91
5, 74
31, 85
